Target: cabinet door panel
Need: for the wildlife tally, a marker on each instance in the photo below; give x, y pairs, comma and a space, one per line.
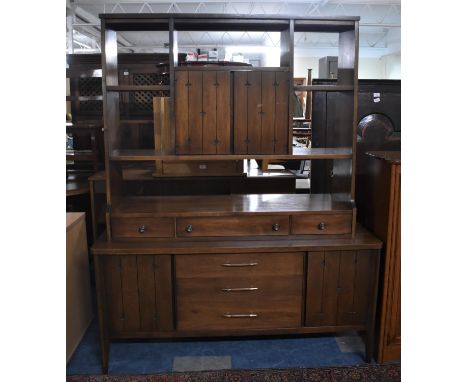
339, 287
223, 113
254, 109
281, 113
195, 112
268, 113
209, 113
240, 113
139, 293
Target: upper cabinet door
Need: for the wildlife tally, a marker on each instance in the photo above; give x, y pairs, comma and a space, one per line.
202, 112
261, 106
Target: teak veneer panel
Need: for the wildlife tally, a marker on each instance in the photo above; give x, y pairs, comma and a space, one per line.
321, 224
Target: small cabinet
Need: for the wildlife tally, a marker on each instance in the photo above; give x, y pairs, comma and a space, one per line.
341, 286
202, 112
261, 112
138, 291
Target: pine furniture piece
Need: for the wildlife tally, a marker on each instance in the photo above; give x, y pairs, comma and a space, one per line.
232, 263
379, 202
79, 304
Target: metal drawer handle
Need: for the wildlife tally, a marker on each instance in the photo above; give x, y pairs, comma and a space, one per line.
189, 228
322, 226
275, 227
239, 289
248, 315
239, 264
142, 229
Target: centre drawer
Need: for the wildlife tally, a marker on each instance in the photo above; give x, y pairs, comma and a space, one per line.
233, 226
128, 227
239, 291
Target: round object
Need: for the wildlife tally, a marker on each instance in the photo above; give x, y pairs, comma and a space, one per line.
142, 229
375, 128
275, 227
189, 228
321, 226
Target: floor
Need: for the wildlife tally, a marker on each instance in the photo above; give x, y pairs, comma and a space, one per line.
146, 357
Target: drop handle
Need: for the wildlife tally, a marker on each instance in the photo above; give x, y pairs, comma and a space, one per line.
250, 289
275, 227
141, 229
189, 228
235, 315
322, 226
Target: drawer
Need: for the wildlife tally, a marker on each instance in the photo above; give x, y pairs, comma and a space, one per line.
142, 227
239, 265
319, 224
202, 168
233, 226
211, 295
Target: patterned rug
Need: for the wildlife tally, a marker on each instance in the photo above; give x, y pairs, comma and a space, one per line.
364, 373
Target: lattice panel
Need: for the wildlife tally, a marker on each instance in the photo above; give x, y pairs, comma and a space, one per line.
91, 106
90, 86
142, 102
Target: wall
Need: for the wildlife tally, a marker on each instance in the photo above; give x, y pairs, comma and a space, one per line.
385, 67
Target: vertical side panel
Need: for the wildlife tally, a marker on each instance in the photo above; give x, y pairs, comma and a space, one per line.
268, 113
195, 112
281, 113
146, 290
240, 113
113, 287
209, 112
314, 297
164, 293
130, 300
330, 292
254, 109
346, 288
363, 286
181, 112
223, 113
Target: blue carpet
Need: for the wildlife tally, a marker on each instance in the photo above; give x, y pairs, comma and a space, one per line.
158, 356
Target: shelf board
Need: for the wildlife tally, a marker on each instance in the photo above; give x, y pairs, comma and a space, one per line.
326, 88
298, 154
137, 88
225, 205
83, 98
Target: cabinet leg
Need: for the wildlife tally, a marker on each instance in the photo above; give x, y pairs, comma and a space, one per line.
369, 345
105, 355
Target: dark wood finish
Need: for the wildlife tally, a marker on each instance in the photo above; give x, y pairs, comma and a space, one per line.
202, 112
202, 168
142, 227
298, 153
379, 201
318, 224
274, 297
261, 104
139, 293
233, 226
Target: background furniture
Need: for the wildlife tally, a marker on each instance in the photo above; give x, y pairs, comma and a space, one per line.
379, 209
231, 262
79, 303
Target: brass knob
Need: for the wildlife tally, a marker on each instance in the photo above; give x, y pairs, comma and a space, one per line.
275, 227
321, 226
141, 229
189, 228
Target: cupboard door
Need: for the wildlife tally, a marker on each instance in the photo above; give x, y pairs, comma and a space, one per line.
203, 118
139, 293
340, 286
261, 105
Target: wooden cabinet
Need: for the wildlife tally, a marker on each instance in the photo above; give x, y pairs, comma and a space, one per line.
261, 101
379, 210
231, 263
202, 115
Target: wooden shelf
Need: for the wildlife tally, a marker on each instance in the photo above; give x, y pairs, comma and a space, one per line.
82, 98
298, 154
231, 68
323, 88
225, 205
137, 88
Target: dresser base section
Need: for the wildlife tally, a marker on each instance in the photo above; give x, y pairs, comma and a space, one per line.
195, 289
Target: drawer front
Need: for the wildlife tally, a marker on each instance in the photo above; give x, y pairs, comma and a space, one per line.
142, 227
202, 168
253, 265
321, 224
233, 226
239, 296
